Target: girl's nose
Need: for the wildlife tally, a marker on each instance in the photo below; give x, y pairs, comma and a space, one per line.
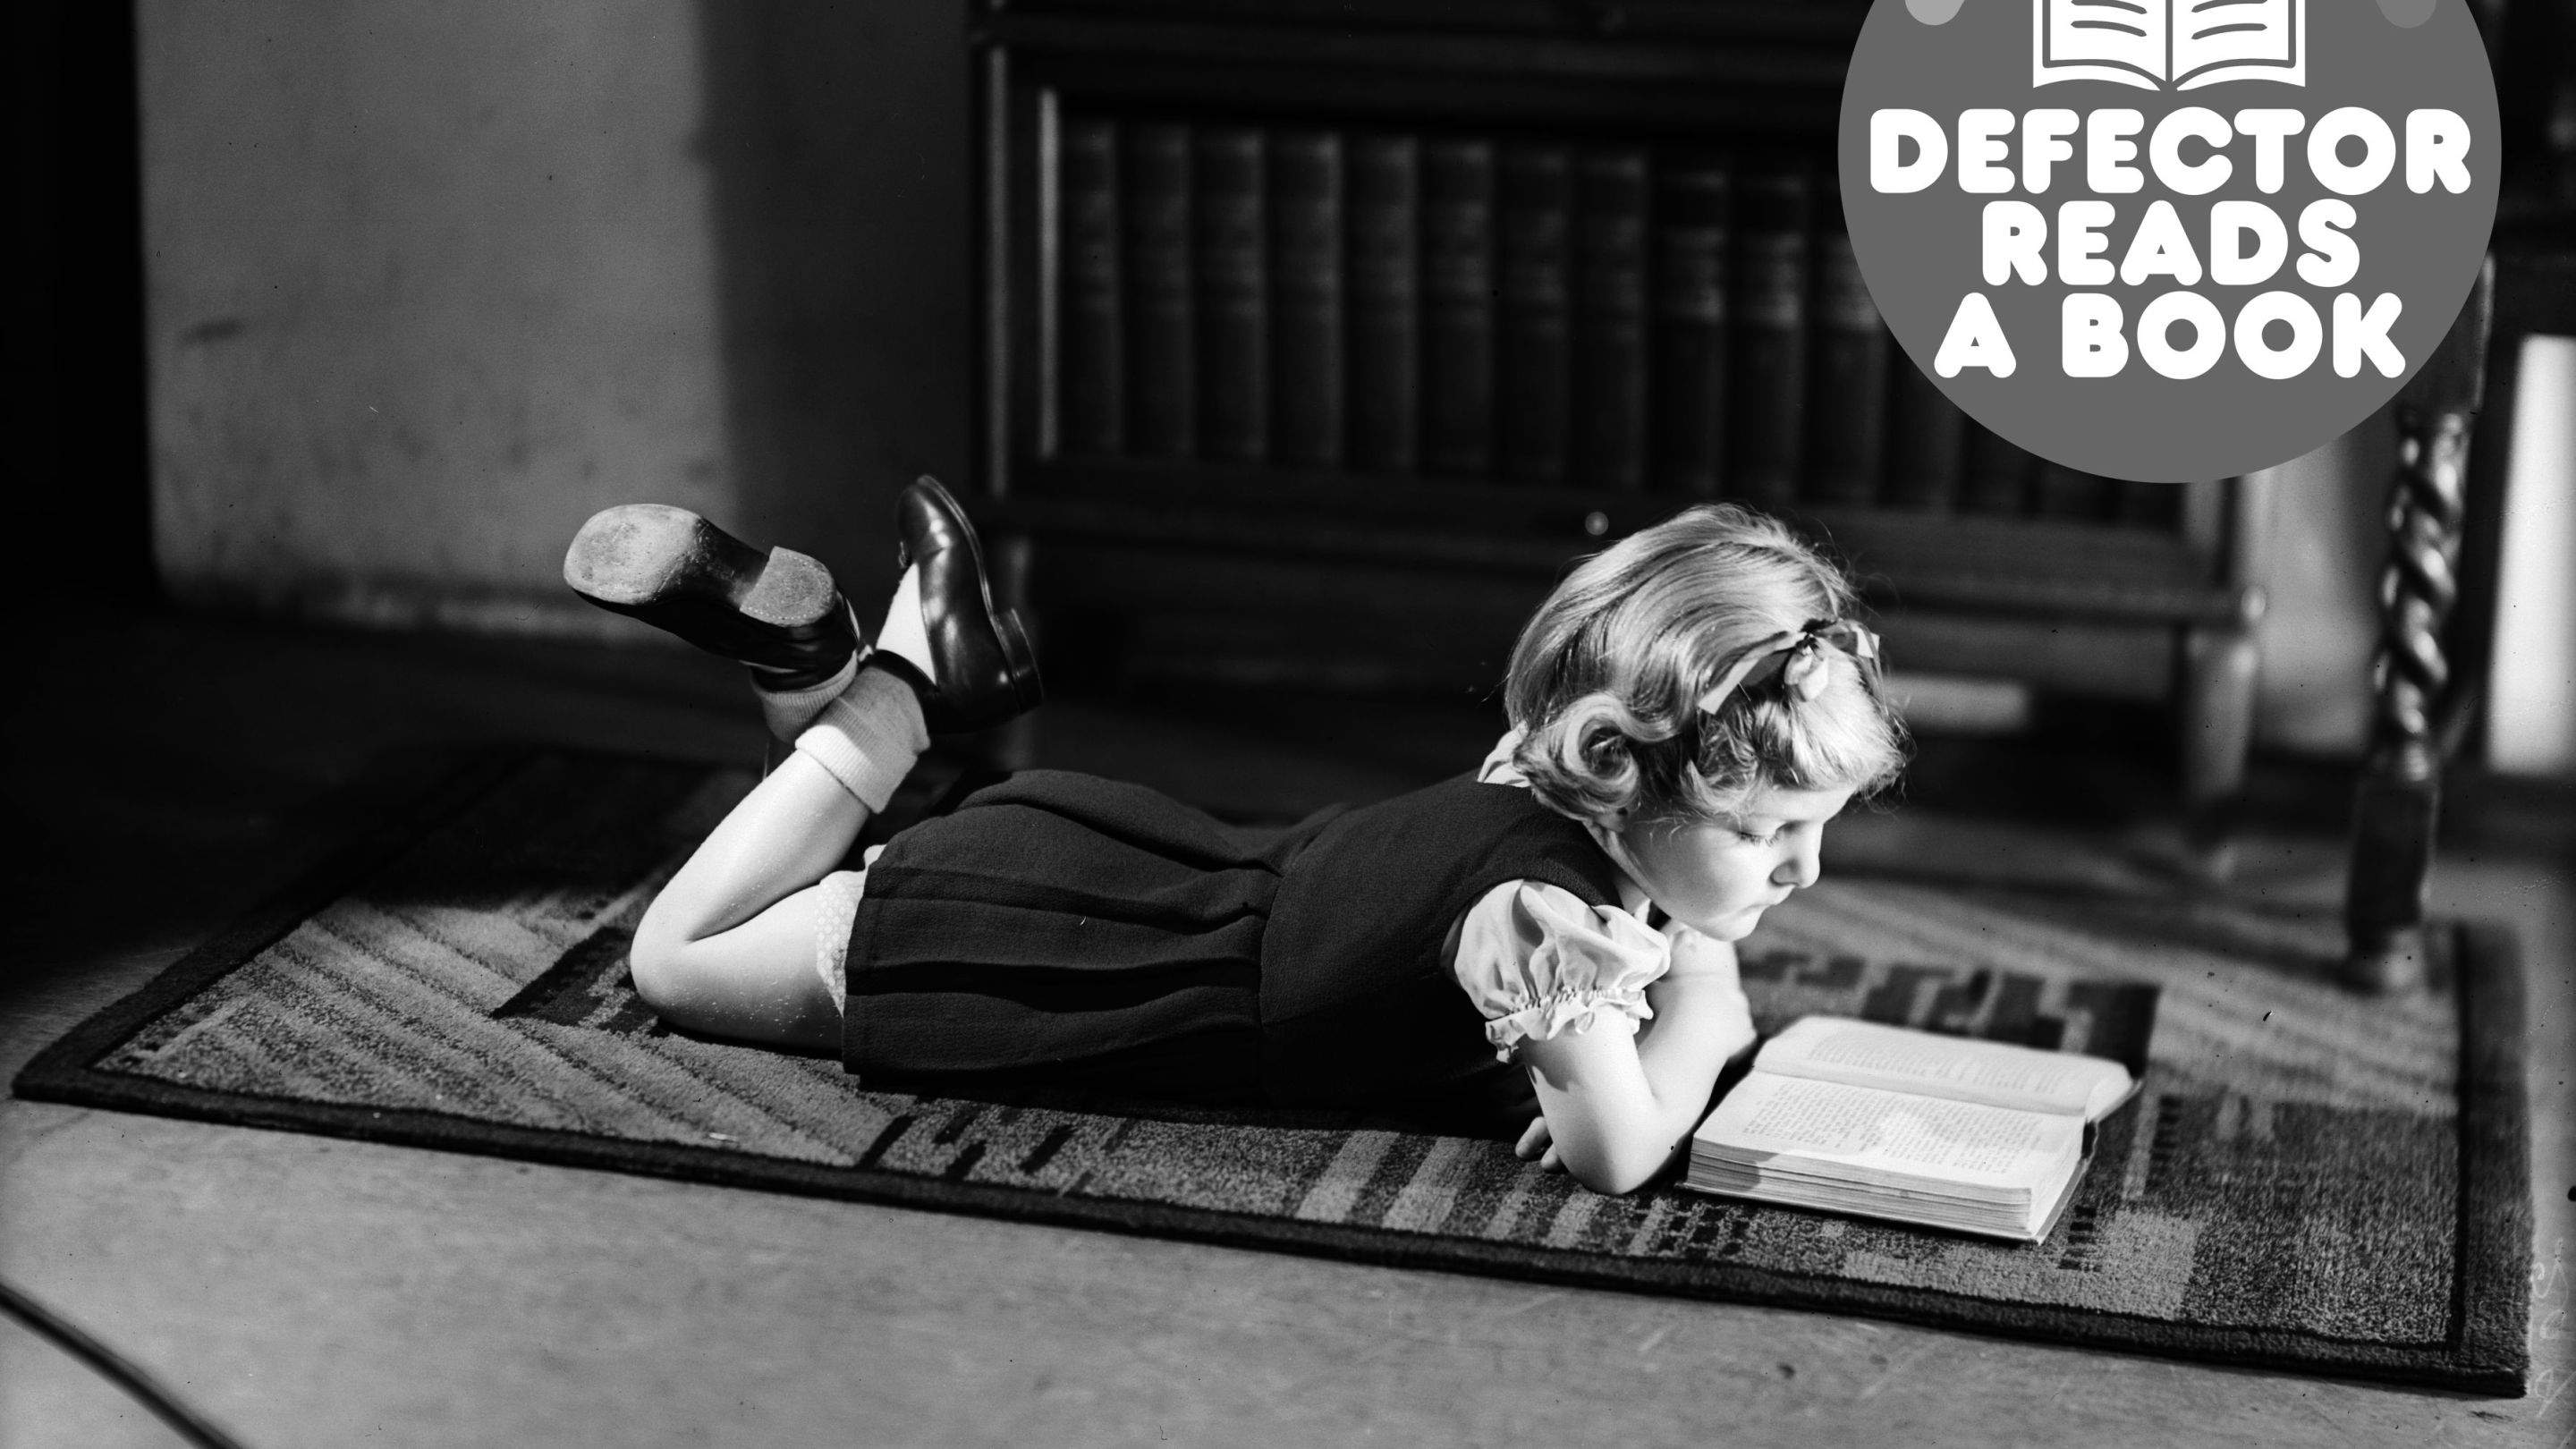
1803, 864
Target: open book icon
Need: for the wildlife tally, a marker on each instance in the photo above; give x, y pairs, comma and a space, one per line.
2183, 44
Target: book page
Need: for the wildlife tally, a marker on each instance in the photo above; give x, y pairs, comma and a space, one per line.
2221, 40
1912, 1136
1998, 1074
2112, 40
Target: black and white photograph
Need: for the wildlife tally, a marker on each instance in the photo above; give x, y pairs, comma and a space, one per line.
1290, 722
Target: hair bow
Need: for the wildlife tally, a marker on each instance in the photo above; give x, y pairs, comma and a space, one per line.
1797, 656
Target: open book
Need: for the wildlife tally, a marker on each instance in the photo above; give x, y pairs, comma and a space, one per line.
2184, 44
1853, 1117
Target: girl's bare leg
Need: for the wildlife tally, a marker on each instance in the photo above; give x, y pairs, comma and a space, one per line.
731, 947
728, 947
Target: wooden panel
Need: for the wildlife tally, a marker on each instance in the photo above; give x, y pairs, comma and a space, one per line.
1779, 97
1808, 45
1428, 622
1280, 573
1331, 622
2005, 566
2031, 565
1395, 592
1833, 22
2107, 660
1002, 358
1743, 69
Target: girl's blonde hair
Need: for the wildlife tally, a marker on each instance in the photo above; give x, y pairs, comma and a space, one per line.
1606, 681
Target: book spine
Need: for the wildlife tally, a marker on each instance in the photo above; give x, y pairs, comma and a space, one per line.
1847, 388
1610, 319
1306, 375
1458, 307
1162, 363
1927, 440
1231, 270
1692, 214
1533, 363
1996, 481
1768, 373
1090, 369
1383, 306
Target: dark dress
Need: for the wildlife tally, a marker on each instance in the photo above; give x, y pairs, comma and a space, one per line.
1063, 928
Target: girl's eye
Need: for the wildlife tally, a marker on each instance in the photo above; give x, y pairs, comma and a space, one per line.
1755, 837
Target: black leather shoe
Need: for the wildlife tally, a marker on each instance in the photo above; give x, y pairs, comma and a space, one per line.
987, 672
778, 611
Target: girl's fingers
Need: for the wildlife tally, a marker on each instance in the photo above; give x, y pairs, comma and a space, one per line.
1550, 1160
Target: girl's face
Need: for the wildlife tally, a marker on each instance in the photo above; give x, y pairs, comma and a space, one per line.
1719, 877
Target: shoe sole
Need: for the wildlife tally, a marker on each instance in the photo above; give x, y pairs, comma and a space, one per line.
671, 568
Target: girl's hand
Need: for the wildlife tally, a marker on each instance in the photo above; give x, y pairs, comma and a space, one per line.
1619, 1103
1535, 1142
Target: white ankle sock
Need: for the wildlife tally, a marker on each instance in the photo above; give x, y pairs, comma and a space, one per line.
903, 634
868, 737
789, 711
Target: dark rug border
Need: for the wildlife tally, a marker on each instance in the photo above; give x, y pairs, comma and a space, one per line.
2485, 1352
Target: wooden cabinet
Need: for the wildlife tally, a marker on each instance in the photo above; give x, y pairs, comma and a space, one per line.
1182, 495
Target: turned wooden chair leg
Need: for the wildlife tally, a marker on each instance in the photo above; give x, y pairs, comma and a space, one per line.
2399, 799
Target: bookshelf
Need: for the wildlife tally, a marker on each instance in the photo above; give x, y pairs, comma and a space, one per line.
1315, 339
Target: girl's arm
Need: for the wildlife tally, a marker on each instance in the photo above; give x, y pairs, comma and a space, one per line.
1618, 1107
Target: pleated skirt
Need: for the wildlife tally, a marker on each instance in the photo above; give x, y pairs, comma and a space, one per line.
1065, 928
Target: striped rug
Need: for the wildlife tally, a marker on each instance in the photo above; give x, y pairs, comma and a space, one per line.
2308, 1179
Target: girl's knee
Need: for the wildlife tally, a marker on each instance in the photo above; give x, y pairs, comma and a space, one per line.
756, 982
656, 962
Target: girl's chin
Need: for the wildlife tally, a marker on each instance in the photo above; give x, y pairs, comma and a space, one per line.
1735, 927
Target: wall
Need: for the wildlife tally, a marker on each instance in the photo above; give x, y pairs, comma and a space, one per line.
2531, 715
431, 280
74, 302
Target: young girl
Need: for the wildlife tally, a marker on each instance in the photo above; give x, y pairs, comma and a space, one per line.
1687, 711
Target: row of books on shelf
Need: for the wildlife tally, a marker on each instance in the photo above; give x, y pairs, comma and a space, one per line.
1597, 316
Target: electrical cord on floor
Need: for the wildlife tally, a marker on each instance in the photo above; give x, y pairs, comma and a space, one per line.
43, 1321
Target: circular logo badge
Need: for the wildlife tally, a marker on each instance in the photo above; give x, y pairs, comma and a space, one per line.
2169, 239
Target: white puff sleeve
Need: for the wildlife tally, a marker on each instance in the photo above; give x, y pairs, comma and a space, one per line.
1538, 962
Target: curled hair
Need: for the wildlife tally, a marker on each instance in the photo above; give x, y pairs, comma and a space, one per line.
1607, 678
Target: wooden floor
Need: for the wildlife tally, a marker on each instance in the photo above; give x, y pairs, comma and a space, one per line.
304, 1291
